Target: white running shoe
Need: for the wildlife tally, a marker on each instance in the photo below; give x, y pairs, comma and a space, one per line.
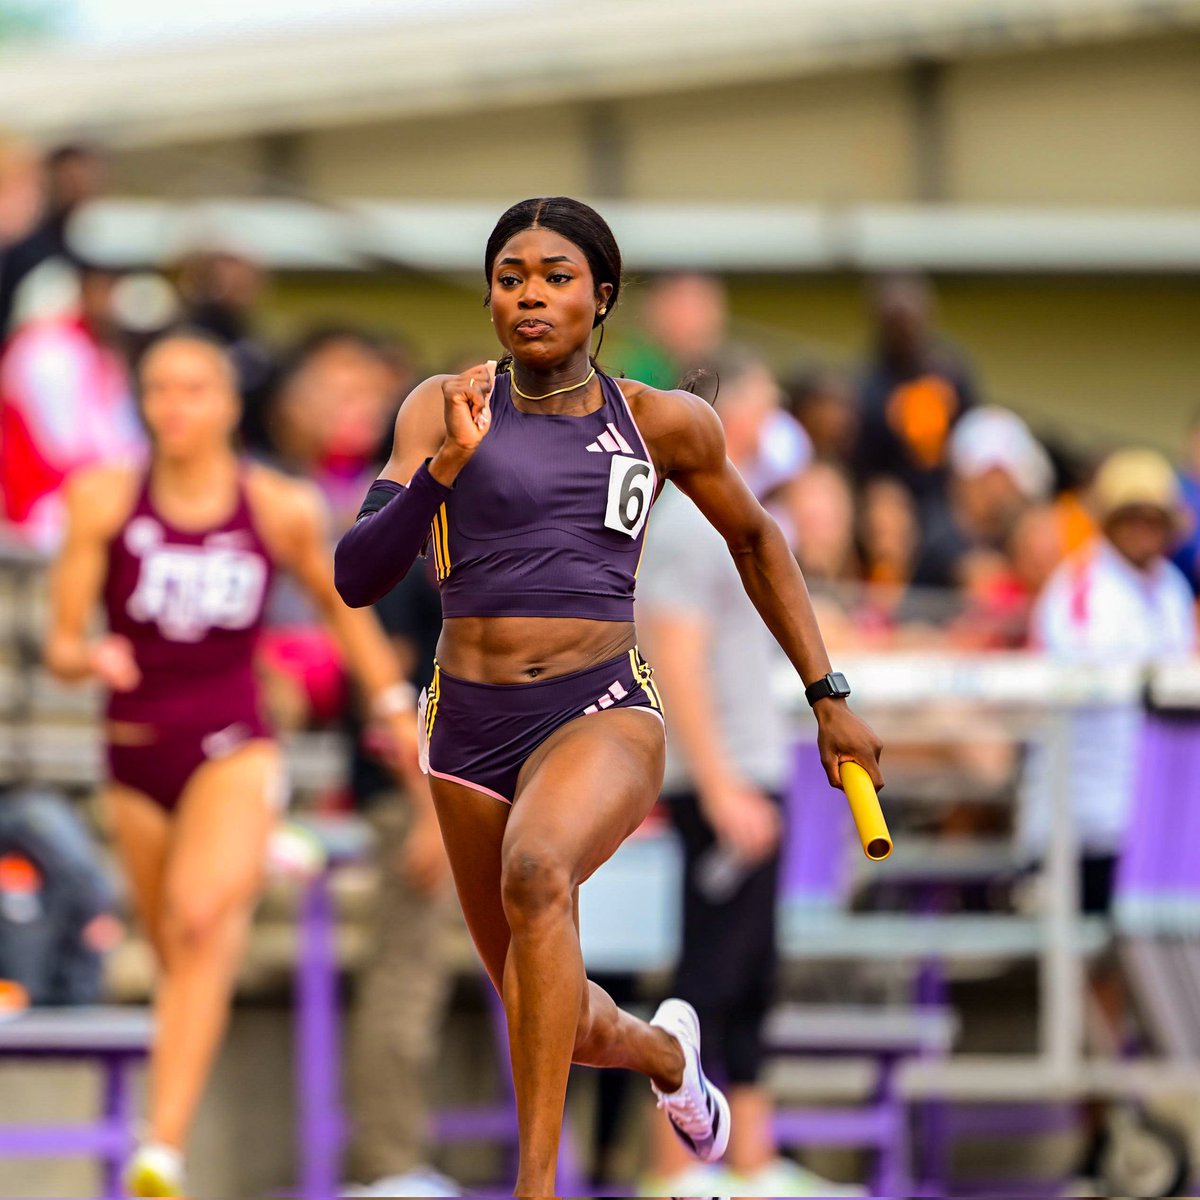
698, 1111
697, 1179
420, 1181
155, 1170
783, 1177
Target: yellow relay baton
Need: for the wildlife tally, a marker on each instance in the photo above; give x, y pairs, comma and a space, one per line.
864, 807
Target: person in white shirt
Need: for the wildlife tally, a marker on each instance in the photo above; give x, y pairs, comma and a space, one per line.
1118, 600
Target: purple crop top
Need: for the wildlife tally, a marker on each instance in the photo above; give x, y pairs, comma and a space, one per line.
548, 517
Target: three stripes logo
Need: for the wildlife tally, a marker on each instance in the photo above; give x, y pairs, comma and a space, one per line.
643, 677
610, 441
615, 692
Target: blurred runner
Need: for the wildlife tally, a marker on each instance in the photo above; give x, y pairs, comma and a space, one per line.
180, 557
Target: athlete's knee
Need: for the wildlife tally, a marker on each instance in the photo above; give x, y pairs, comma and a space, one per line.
194, 921
534, 883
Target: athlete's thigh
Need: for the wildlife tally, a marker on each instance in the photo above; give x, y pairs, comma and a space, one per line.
473, 829
588, 787
141, 831
225, 817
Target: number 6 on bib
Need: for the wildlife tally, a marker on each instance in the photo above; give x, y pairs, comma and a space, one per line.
630, 484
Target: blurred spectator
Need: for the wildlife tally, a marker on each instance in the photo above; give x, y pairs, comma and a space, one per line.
221, 289
819, 505
889, 534
66, 401
1118, 600
1187, 552
820, 502
20, 198
404, 986
823, 402
911, 394
998, 471
726, 763
1074, 470
74, 175
1036, 547
769, 446
338, 397
683, 328
57, 901
332, 414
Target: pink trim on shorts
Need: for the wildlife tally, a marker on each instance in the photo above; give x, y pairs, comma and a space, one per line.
475, 787
635, 708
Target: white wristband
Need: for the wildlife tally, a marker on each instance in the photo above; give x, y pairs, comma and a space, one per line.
397, 700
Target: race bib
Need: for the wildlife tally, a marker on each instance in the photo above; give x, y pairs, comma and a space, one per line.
630, 490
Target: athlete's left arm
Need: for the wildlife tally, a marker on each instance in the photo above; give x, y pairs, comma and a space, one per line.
686, 437
301, 545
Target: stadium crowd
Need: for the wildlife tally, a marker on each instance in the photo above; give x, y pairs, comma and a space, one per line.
924, 515
917, 507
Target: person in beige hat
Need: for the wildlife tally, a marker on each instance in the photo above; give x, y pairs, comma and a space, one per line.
1140, 508
1118, 600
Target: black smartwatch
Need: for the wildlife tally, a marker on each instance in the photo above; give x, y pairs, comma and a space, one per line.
833, 685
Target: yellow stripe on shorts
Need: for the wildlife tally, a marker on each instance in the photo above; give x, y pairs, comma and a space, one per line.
433, 693
643, 675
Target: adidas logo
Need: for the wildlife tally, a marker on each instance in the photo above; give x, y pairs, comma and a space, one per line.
615, 690
611, 441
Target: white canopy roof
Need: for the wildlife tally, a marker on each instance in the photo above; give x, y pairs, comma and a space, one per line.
530, 54
784, 238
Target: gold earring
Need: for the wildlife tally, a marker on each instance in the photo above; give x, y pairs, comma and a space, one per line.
603, 310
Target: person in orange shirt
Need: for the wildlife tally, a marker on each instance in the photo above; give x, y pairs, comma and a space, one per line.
911, 394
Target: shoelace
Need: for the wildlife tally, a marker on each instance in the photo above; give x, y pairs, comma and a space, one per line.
691, 1112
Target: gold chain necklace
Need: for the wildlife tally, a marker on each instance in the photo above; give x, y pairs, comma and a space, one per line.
512, 376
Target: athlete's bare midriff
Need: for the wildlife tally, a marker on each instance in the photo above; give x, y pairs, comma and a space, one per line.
524, 649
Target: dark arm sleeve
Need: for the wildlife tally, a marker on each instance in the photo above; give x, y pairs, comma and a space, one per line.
376, 552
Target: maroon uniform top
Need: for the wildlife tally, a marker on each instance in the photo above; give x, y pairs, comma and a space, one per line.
191, 603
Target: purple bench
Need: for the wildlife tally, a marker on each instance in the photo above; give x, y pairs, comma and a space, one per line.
323, 1124
887, 1036
117, 1040
816, 877
1157, 891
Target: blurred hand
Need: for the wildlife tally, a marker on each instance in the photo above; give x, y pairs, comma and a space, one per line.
395, 740
114, 664
842, 735
744, 820
423, 861
467, 409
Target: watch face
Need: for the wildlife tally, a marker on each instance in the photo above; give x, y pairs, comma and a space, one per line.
840, 686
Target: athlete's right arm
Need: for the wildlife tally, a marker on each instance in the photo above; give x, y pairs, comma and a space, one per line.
438, 428
96, 502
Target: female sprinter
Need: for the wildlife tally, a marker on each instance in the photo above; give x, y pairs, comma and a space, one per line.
545, 740
181, 555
